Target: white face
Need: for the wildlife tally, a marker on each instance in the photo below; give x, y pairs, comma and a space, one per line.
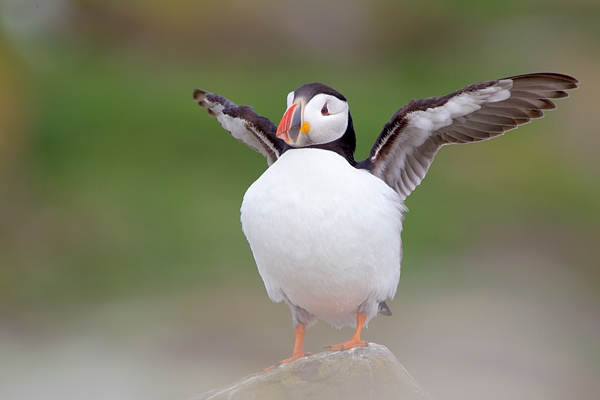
322, 120
328, 118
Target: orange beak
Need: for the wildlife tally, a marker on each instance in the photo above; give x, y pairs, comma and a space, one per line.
289, 127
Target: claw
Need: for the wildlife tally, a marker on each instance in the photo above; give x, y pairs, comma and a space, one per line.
287, 361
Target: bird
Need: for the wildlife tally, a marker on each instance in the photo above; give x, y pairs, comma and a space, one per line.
325, 229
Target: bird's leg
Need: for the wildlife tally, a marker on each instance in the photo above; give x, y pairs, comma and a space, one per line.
355, 341
298, 348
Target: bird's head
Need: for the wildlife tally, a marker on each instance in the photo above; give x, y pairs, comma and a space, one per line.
316, 114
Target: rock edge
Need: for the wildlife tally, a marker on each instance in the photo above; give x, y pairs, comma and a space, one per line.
371, 372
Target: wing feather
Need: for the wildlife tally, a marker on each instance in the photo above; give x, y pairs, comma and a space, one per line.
517, 115
408, 143
244, 124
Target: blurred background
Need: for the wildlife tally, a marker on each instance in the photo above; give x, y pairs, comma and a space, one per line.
124, 273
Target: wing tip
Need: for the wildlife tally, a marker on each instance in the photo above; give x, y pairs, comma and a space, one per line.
561, 82
200, 98
199, 95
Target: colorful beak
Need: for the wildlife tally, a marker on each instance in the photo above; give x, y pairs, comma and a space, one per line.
289, 127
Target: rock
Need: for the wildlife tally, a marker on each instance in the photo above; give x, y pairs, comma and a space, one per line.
371, 372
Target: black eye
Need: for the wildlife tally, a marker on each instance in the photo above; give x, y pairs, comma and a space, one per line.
325, 110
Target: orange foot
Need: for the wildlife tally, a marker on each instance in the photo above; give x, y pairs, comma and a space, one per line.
294, 357
355, 340
298, 349
350, 344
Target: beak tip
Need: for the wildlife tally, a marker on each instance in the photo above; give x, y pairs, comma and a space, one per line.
283, 130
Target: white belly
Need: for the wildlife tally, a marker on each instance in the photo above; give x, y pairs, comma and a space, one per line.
324, 234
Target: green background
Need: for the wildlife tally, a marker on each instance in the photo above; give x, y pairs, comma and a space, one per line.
123, 269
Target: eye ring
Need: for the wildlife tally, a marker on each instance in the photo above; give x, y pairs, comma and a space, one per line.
325, 110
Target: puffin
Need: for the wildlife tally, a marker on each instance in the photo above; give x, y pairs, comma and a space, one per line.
324, 228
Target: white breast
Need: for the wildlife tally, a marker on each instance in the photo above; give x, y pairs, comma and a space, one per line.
324, 234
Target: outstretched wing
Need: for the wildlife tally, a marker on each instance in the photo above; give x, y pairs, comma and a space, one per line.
407, 144
244, 124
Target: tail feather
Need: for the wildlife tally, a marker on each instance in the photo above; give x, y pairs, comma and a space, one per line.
384, 309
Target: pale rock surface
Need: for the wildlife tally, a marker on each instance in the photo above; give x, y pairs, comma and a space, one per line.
371, 372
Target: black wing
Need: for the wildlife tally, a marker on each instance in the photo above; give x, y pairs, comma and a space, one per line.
407, 144
244, 124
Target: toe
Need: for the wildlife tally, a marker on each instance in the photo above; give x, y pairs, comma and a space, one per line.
350, 344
